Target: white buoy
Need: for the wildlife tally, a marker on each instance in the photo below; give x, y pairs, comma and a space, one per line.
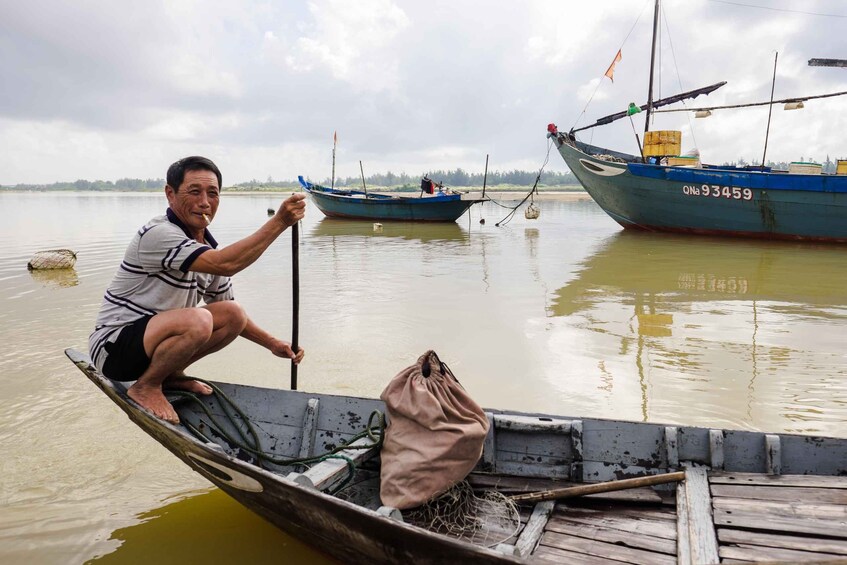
52, 259
377, 227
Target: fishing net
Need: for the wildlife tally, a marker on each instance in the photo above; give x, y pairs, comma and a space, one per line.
486, 519
52, 259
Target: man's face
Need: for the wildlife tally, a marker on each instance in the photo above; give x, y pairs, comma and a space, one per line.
198, 194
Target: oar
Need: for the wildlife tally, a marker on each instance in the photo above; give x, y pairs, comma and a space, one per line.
295, 308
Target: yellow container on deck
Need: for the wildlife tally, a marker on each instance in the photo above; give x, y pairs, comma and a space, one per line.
841, 169
684, 161
662, 136
661, 143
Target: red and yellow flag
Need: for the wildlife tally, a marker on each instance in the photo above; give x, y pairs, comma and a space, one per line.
610, 72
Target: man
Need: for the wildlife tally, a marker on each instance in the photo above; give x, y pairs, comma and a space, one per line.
149, 328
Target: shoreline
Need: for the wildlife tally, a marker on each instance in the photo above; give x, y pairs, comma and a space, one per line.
511, 194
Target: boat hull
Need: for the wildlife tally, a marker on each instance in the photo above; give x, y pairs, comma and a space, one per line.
379, 207
584, 450
713, 201
331, 525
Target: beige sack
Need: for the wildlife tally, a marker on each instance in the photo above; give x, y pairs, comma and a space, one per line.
434, 437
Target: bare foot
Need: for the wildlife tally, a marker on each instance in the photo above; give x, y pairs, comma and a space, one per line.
181, 382
152, 400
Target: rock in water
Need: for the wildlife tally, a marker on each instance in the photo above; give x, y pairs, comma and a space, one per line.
52, 259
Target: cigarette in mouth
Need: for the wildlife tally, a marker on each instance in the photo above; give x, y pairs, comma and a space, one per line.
208, 221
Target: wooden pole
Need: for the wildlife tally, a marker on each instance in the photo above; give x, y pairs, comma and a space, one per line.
334, 143
485, 176
295, 309
596, 488
363, 178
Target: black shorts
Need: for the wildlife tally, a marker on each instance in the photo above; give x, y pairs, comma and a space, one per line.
126, 359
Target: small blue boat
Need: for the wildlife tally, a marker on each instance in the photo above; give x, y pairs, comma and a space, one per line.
360, 205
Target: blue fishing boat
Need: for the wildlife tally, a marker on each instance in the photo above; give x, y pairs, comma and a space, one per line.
709, 200
661, 191
362, 205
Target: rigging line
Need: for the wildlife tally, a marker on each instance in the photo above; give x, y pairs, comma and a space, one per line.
534, 188
599, 82
678, 76
779, 9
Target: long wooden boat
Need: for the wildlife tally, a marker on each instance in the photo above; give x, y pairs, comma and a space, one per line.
360, 205
680, 195
745, 495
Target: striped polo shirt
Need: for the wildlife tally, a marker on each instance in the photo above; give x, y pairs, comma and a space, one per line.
155, 276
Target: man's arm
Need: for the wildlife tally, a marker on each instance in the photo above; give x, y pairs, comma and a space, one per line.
241, 254
278, 347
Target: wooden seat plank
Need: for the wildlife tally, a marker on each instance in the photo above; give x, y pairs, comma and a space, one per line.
531, 534
696, 538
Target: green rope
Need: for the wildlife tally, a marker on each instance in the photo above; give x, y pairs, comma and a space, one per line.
249, 440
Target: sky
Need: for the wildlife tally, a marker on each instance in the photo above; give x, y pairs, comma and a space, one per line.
101, 90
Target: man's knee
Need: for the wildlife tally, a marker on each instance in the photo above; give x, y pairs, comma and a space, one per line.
229, 314
199, 324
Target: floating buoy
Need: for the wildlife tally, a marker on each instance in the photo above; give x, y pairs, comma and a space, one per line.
532, 212
482, 220
52, 259
377, 227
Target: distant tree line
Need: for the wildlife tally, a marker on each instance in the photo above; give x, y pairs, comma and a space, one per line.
828, 166
104, 185
455, 178
461, 178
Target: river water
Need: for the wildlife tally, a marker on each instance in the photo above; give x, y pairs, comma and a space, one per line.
565, 314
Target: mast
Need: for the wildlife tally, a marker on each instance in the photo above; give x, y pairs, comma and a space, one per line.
770, 111
652, 66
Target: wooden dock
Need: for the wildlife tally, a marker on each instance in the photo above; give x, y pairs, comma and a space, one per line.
711, 517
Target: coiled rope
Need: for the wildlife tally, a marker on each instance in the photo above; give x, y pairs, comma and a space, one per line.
249, 439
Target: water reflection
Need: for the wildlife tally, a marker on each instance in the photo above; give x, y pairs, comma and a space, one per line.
415, 231
677, 270
206, 528
711, 317
57, 278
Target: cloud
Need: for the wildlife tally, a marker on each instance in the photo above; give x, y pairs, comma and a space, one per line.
105, 90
